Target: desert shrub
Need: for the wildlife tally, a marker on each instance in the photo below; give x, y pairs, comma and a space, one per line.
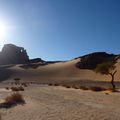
67, 86
16, 79
50, 84
14, 88
17, 88
56, 84
15, 98
21, 88
24, 84
7, 88
84, 88
75, 87
97, 89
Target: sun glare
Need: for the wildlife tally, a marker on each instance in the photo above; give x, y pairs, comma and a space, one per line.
3, 32
3, 29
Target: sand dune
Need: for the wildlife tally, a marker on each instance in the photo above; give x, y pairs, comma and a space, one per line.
64, 71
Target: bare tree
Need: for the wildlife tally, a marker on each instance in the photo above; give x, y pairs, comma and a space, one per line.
107, 68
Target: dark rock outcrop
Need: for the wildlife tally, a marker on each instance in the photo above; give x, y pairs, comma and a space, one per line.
12, 54
37, 60
90, 61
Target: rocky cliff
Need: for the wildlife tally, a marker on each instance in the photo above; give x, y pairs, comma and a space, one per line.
12, 54
90, 61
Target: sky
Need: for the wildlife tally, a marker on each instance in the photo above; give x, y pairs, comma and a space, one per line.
61, 29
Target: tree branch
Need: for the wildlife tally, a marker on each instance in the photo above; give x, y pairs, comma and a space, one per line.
114, 72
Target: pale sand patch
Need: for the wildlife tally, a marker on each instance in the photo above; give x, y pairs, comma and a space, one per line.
57, 103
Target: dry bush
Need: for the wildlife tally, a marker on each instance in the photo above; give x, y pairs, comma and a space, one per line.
50, 84
75, 87
84, 88
97, 89
7, 88
14, 88
17, 88
17, 79
21, 88
56, 84
24, 84
67, 86
53, 84
15, 98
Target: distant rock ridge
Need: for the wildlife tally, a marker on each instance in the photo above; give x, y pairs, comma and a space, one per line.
12, 54
37, 60
90, 61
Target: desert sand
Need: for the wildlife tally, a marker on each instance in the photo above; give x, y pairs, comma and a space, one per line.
61, 71
45, 102
58, 103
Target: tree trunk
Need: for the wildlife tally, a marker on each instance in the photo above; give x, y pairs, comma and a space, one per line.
112, 81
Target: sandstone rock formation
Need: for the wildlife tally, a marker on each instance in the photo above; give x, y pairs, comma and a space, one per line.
12, 54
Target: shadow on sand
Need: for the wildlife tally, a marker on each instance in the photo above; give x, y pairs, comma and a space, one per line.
5, 72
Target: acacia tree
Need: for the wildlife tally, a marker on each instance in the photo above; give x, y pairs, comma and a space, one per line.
107, 68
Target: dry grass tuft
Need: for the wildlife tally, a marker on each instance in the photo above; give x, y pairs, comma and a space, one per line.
84, 88
7, 88
15, 98
50, 84
24, 84
67, 86
17, 88
14, 88
97, 89
21, 88
16, 79
75, 87
112, 90
56, 84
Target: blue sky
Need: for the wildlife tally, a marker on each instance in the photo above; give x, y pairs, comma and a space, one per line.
61, 29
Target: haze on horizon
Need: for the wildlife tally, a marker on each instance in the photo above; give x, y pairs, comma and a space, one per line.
61, 29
